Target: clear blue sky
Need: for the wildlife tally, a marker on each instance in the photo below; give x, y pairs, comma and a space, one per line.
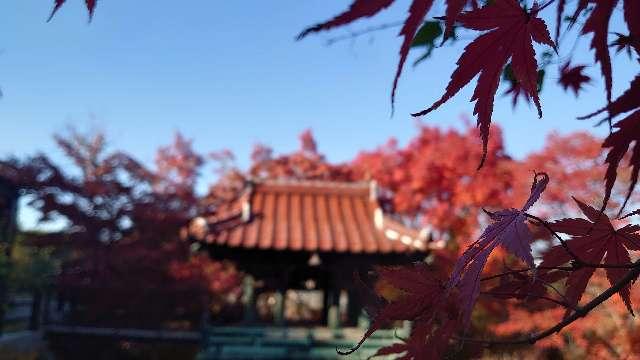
229, 74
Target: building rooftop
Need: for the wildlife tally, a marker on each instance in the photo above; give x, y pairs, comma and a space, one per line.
311, 216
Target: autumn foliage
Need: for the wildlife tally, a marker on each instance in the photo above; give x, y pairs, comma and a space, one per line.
124, 261
585, 259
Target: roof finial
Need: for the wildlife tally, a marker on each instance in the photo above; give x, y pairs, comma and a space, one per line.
246, 201
373, 190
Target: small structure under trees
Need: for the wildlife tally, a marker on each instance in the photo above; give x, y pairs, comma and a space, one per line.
301, 244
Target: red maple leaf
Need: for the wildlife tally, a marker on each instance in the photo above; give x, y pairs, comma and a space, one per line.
90, 4
366, 8
359, 9
593, 239
511, 31
626, 42
628, 131
631, 16
508, 230
516, 90
559, 13
416, 289
598, 24
522, 286
454, 8
417, 11
425, 342
572, 77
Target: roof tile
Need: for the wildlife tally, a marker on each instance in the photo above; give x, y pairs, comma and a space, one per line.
309, 216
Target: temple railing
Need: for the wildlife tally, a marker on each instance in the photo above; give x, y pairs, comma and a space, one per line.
245, 342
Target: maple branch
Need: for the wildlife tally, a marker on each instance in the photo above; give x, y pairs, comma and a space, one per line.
555, 234
518, 271
355, 34
517, 296
579, 312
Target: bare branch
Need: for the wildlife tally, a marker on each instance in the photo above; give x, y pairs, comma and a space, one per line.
355, 34
517, 296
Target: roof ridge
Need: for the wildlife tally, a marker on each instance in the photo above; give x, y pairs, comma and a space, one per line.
311, 183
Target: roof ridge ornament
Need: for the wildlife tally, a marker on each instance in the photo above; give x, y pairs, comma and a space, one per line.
373, 191
246, 201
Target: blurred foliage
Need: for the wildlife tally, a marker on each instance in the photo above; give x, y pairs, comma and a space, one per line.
30, 268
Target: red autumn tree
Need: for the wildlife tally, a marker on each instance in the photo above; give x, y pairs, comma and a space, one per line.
432, 181
304, 164
574, 161
126, 264
506, 33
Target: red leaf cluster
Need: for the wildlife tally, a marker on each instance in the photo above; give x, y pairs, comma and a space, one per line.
432, 180
416, 296
510, 31
627, 132
594, 240
126, 263
304, 164
507, 230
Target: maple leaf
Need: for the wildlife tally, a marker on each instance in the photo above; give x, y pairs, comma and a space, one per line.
634, 212
522, 286
426, 341
508, 230
598, 24
628, 131
516, 89
631, 16
90, 4
417, 11
511, 31
359, 9
416, 289
559, 13
572, 77
454, 8
626, 42
592, 240
367, 8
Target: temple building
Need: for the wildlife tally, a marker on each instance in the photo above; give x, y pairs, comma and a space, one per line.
301, 244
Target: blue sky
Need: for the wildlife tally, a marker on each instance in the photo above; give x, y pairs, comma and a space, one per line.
229, 74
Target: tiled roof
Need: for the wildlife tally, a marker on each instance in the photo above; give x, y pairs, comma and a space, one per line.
314, 216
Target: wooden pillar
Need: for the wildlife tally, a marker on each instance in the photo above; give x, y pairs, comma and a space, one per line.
278, 314
249, 299
333, 309
354, 307
332, 297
